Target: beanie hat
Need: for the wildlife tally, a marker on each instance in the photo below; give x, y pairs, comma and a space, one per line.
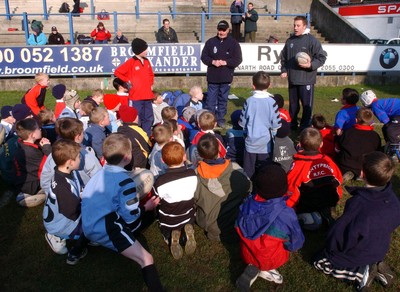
6, 111
127, 114
284, 130
236, 118
279, 100
111, 101
70, 97
188, 113
58, 91
367, 97
271, 182
21, 111
139, 46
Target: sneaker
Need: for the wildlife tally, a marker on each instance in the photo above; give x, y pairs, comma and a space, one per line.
348, 176
176, 249
190, 246
385, 275
369, 276
57, 244
247, 278
74, 259
26, 200
334, 100
272, 276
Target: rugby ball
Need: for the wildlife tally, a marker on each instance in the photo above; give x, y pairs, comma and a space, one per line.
302, 58
144, 181
310, 221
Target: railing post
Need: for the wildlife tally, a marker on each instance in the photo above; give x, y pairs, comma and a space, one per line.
45, 14
203, 20
71, 28
26, 27
7, 4
209, 9
278, 9
92, 8
173, 9
159, 19
137, 9
308, 16
115, 14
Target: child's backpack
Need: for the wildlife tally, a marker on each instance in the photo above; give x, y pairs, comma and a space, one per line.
180, 102
64, 8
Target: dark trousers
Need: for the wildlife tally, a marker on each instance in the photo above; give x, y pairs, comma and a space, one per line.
303, 94
145, 113
217, 99
391, 132
236, 31
254, 161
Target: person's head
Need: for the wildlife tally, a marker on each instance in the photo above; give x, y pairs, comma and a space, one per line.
310, 139
173, 124
86, 107
367, 98
284, 130
270, 182
279, 100
127, 114
208, 146
6, 114
46, 116
54, 30
112, 102
377, 169
207, 121
42, 79
28, 130
173, 154
223, 29
120, 85
66, 153
70, 129
261, 80
162, 134
188, 114
236, 117
99, 116
58, 91
300, 25
169, 113
139, 47
350, 96
365, 116
318, 121
21, 111
196, 93
166, 24
98, 96
250, 6
119, 33
157, 98
100, 26
117, 149
72, 99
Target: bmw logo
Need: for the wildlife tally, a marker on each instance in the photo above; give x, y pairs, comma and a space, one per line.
389, 58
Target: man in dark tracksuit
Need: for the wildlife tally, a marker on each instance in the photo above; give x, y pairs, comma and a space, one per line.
301, 77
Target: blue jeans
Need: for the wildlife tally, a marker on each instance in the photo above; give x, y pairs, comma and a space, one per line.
217, 99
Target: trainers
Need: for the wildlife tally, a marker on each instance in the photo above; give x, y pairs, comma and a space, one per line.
247, 278
74, 259
190, 246
385, 275
272, 276
348, 176
334, 100
176, 249
369, 276
57, 244
26, 200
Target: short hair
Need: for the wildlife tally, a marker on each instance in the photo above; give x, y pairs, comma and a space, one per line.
45, 116
318, 121
365, 116
195, 89
207, 121
98, 92
97, 115
302, 18
162, 133
25, 127
169, 112
173, 153
350, 95
87, 106
378, 168
165, 20
69, 128
279, 100
172, 123
208, 146
63, 150
310, 139
115, 147
261, 80
156, 94
40, 76
118, 82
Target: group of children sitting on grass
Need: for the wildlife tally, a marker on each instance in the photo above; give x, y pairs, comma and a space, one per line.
253, 185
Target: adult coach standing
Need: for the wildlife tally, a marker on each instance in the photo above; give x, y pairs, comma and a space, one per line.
222, 54
301, 77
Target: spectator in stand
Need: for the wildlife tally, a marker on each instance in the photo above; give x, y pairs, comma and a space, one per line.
77, 8
55, 38
100, 34
37, 37
58, 92
250, 24
237, 7
120, 38
166, 34
34, 97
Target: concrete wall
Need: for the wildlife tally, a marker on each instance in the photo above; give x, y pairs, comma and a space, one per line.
183, 82
334, 27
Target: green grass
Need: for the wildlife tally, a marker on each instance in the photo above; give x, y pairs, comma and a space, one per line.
27, 263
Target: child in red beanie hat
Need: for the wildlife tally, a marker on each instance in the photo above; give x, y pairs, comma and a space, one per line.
112, 104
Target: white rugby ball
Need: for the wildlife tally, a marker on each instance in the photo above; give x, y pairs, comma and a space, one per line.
302, 58
310, 221
144, 180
